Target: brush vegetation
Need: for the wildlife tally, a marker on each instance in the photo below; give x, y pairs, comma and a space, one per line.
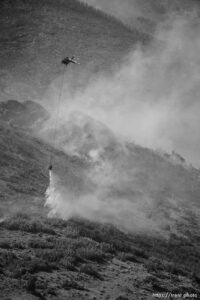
33, 251
50, 258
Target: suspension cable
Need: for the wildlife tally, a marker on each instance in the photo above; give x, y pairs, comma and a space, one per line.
57, 115
66, 61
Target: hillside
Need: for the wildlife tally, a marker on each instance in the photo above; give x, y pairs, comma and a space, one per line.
78, 259
44, 258
24, 159
36, 35
111, 220
145, 15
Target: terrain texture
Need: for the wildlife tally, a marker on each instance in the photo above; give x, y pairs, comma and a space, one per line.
49, 258
35, 36
64, 257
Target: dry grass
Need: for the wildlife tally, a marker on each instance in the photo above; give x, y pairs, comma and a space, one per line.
84, 248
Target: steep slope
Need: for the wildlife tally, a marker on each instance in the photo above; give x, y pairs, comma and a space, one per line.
76, 259
143, 14
153, 12
147, 189
36, 35
160, 189
28, 115
24, 159
45, 258
152, 197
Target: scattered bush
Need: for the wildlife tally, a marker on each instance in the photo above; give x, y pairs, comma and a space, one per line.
76, 245
139, 253
128, 257
69, 230
90, 270
39, 265
150, 279
157, 287
68, 263
154, 265
5, 244
23, 224
7, 257
107, 248
50, 255
40, 244
56, 223
90, 253
71, 284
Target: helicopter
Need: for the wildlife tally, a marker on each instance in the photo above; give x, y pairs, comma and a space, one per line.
67, 60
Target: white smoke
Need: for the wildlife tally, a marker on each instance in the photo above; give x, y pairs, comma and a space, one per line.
122, 212
152, 99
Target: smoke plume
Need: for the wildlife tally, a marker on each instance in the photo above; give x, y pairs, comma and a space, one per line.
151, 99
101, 206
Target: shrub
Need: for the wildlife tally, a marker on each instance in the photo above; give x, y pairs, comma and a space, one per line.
107, 248
90, 270
128, 257
7, 257
30, 286
90, 253
39, 265
22, 224
139, 253
70, 230
50, 255
5, 244
120, 246
70, 284
18, 272
56, 223
154, 265
176, 270
39, 243
68, 263
151, 279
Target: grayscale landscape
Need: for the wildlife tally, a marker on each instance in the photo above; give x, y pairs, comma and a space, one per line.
100, 164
